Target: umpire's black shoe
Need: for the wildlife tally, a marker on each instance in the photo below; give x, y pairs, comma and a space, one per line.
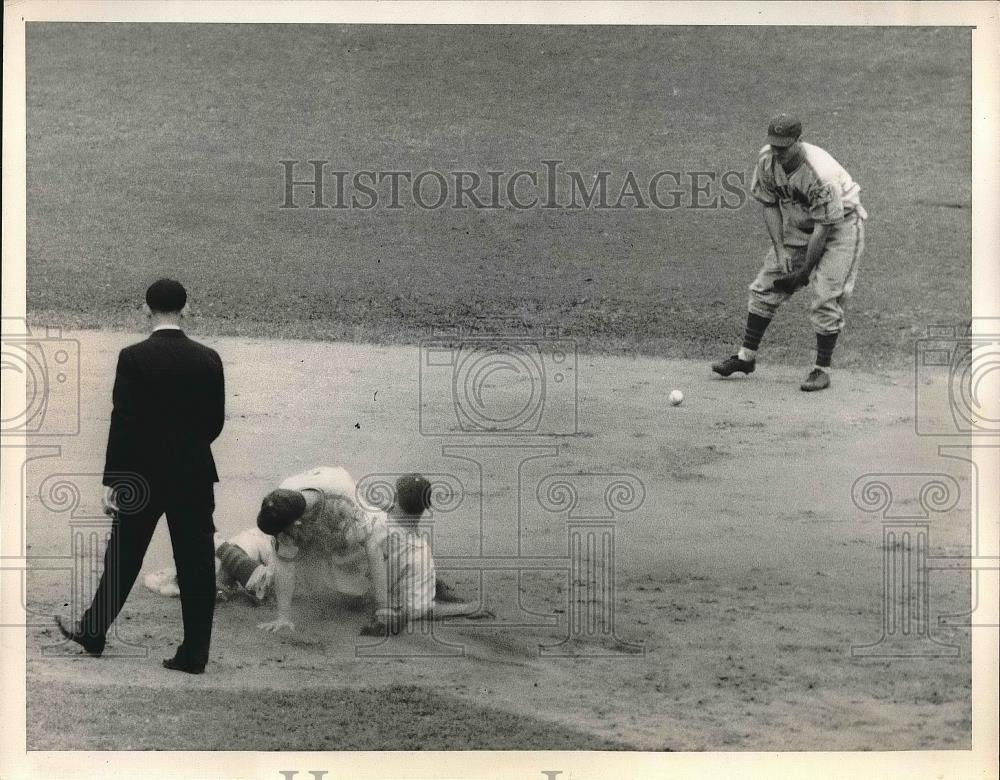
180, 665
94, 645
817, 380
732, 364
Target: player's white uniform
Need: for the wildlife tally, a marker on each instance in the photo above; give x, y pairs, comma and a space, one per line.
410, 571
409, 578
348, 572
257, 545
819, 191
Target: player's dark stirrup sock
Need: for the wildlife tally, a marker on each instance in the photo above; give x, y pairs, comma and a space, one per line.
825, 342
756, 325
236, 562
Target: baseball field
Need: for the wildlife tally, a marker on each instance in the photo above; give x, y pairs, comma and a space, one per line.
751, 566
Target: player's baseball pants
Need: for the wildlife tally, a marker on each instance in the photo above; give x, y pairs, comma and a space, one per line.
249, 547
831, 282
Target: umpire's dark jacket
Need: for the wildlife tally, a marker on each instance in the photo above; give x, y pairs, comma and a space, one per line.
169, 406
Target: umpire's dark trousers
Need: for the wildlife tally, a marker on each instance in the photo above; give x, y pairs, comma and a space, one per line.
189, 518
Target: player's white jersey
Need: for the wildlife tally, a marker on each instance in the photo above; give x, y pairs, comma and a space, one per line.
346, 572
327, 479
411, 577
819, 191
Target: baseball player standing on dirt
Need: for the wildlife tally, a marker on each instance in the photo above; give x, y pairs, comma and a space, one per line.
816, 223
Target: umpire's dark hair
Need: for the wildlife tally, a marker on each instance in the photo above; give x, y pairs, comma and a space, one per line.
166, 295
413, 494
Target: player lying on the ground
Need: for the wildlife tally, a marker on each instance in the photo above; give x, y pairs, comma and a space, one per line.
407, 584
816, 223
312, 537
322, 538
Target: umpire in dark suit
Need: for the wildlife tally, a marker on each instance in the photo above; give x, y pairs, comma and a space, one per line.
169, 406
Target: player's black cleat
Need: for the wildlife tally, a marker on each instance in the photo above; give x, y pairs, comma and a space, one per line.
732, 364
444, 593
817, 380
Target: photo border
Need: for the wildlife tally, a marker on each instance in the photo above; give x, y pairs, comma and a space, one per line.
15, 762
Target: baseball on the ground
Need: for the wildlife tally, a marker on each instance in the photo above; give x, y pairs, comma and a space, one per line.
676, 396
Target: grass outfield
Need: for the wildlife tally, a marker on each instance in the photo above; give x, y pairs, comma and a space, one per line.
154, 149
404, 718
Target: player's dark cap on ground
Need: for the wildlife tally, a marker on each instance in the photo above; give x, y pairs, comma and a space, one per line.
279, 510
413, 494
784, 130
166, 295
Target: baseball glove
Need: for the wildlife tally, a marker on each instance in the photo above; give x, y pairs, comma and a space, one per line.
789, 283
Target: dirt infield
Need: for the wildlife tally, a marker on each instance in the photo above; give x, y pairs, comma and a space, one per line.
742, 580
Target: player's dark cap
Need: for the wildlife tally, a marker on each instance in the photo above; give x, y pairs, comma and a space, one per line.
279, 510
166, 295
784, 130
413, 494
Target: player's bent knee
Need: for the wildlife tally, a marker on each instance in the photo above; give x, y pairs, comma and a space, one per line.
236, 562
825, 321
762, 304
